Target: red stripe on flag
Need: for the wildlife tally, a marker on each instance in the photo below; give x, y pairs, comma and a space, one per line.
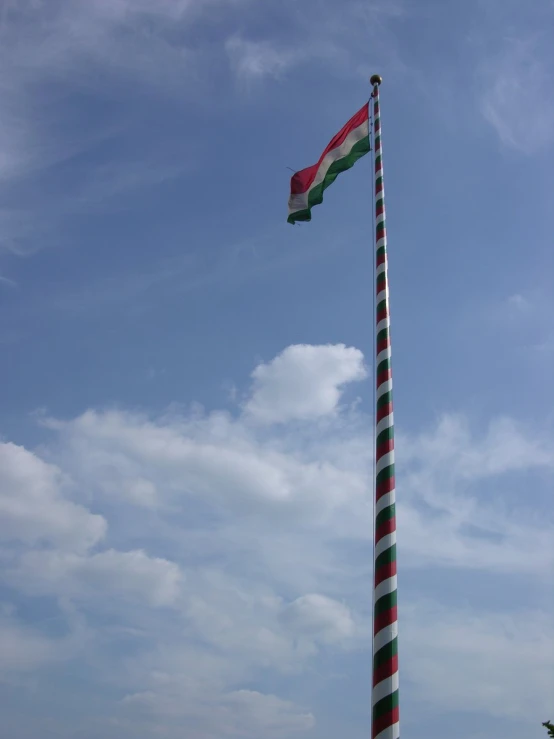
387, 669
381, 259
379, 210
384, 487
384, 721
301, 181
384, 619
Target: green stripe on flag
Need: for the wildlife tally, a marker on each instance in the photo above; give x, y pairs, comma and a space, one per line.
315, 196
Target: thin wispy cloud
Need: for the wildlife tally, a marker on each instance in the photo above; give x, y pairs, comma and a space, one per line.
515, 99
58, 59
7, 282
514, 69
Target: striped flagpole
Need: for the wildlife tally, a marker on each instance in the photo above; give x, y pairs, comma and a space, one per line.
385, 713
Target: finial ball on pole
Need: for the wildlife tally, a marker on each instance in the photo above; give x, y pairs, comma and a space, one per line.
376, 79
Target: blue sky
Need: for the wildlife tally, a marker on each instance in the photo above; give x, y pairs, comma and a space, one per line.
185, 472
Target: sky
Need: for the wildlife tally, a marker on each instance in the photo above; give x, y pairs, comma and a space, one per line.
186, 406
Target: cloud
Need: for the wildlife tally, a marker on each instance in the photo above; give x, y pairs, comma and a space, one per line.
33, 508
211, 459
204, 699
254, 60
303, 382
57, 536
139, 491
503, 448
63, 40
244, 549
245, 713
456, 509
319, 617
23, 649
519, 303
83, 86
27, 647
515, 97
261, 713
132, 575
321, 32
486, 662
254, 626
7, 282
74, 78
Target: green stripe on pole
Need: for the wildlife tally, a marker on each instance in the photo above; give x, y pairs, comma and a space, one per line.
386, 704
385, 515
386, 557
387, 652
385, 364
384, 399
385, 603
385, 435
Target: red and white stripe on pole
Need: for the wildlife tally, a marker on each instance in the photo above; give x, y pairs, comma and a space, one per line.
385, 710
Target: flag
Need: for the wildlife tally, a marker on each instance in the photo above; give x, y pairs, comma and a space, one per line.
343, 151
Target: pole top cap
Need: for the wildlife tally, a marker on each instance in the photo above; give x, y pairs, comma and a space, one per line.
376, 79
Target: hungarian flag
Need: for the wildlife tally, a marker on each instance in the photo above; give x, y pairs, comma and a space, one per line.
343, 151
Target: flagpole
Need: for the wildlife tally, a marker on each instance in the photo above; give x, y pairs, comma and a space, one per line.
385, 712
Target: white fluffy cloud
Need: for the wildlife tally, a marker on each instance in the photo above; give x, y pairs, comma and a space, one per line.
452, 505
57, 536
320, 617
303, 382
213, 458
244, 548
110, 573
33, 507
